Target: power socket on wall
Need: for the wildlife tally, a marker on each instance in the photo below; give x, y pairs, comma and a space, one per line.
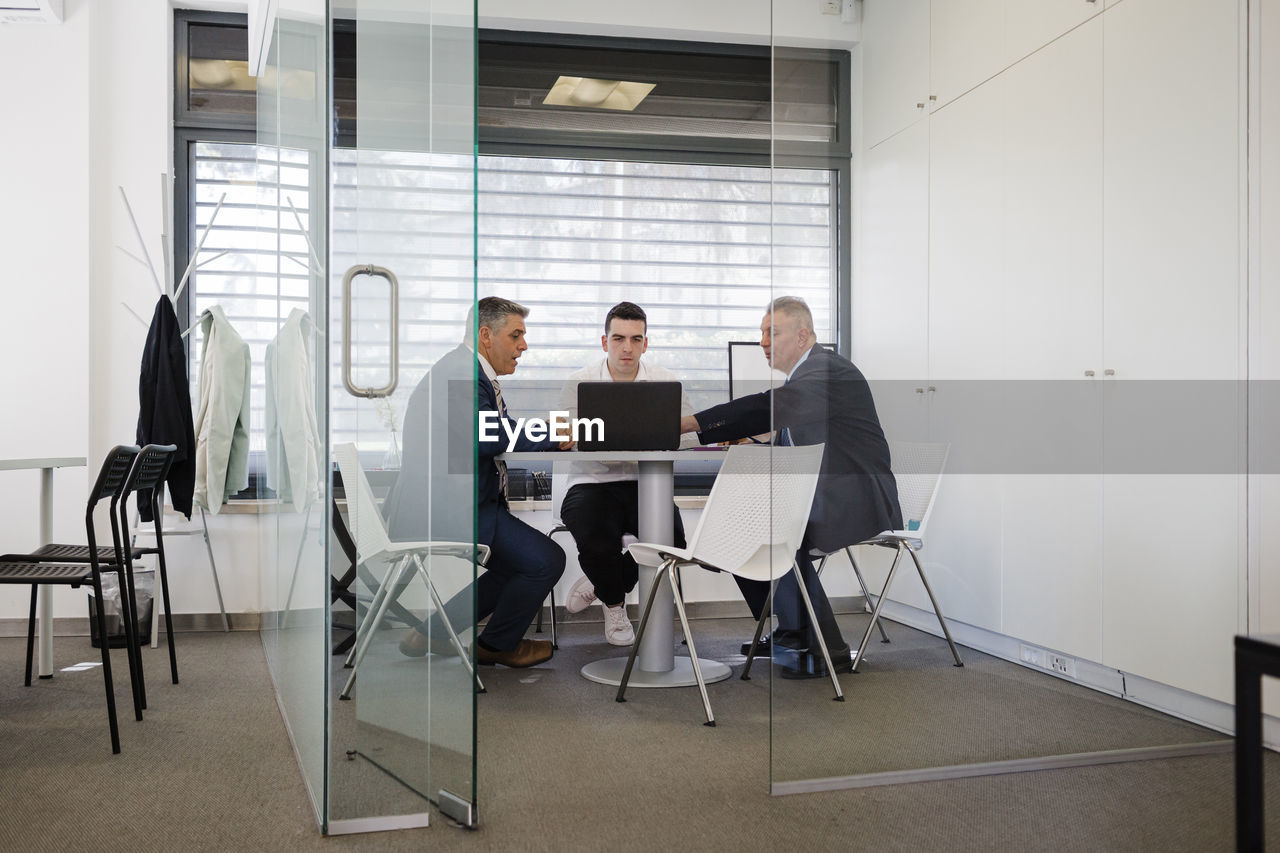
1053, 661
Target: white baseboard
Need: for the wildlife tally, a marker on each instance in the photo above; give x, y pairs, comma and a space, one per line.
1183, 704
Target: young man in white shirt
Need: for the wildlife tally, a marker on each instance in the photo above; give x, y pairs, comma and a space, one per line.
601, 505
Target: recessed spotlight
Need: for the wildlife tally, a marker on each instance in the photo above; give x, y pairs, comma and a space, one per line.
595, 93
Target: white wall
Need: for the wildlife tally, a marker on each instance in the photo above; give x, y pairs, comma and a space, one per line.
44, 240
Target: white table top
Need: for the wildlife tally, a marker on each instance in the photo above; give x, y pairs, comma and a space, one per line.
46, 462
709, 452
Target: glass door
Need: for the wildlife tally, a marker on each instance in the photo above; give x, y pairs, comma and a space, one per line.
366, 120
403, 280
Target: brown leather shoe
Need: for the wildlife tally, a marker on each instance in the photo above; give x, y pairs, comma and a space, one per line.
414, 644
526, 653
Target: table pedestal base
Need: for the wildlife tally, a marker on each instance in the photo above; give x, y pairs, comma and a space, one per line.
610, 672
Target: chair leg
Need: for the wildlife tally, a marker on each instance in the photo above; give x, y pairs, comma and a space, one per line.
164, 597
644, 620
866, 593
131, 632
693, 652
875, 614
31, 634
369, 624
813, 620
448, 624
937, 611
755, 640
106, 666
551, 598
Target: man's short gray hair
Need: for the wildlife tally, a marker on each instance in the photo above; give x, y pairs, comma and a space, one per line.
795, 308
494, 311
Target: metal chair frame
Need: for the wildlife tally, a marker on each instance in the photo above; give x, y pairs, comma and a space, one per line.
372, 541
910, 462
778, 480
24, 569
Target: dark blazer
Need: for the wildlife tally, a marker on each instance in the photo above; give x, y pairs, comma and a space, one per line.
826, 401
448, 477
164, 407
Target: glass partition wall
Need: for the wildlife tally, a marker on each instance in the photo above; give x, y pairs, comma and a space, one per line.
731, 181
1009, 346
366, 140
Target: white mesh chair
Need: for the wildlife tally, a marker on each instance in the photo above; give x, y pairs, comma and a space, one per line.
372, 543
918, 469
751, 527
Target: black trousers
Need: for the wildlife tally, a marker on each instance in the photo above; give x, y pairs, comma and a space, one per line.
789, 607
598, 515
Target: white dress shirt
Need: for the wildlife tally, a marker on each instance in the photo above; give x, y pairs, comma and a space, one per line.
614, 472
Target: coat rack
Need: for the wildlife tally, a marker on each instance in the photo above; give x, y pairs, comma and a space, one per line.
173, 295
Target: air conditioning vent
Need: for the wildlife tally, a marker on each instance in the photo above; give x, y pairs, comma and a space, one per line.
30, 11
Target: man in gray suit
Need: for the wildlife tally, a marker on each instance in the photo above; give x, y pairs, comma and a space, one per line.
825, 400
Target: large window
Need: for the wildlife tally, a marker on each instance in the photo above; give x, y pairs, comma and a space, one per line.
684, 218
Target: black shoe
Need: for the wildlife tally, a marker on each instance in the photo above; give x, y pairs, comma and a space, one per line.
809, 665
788, 642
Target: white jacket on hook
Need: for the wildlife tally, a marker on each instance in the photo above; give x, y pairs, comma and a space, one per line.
222, 415
293, 439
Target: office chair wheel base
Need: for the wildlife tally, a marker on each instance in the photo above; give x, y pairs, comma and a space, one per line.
711, 723
837, 698
619, 699
344, 698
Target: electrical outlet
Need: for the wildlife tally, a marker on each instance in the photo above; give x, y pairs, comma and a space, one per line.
1063, 665
1032, 655
829, 7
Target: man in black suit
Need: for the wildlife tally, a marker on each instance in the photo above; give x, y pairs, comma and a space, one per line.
826, 400
430, 501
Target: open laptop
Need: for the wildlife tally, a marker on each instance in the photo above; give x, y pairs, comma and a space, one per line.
636, 415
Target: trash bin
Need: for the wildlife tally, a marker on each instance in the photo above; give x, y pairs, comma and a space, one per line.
144, 584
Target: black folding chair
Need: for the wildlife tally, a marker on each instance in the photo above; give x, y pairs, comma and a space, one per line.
20, 569
147, 473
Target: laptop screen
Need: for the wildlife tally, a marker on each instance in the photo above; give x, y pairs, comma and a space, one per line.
636, 415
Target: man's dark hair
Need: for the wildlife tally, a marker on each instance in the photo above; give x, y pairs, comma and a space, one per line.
626, 311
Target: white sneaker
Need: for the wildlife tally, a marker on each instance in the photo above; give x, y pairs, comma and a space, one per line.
617, 627
581, 594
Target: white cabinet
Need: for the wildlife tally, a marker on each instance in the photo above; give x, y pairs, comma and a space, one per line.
1085, 213
1052, 221
1052, 254
895, 39
1172, 207
966, 46
1031, 24
1172, 302
891, 313
966, 191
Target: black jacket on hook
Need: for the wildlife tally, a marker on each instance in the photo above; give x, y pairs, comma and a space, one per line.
164, 413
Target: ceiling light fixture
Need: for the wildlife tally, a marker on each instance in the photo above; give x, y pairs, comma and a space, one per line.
595, 93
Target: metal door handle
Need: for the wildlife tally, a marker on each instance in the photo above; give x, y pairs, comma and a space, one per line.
1108, 372
1088, 373
390, 387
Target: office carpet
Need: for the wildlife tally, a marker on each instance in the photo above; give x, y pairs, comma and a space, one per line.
564, 767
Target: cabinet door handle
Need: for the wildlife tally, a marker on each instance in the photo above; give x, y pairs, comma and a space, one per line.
919, 390
933, 97
932, 388
920, 105
1088, 373
1108, 372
